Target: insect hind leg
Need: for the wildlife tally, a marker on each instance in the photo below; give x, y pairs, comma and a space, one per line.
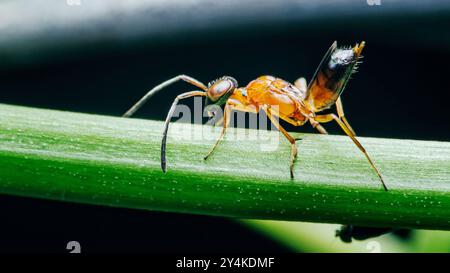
330, 117
341, 114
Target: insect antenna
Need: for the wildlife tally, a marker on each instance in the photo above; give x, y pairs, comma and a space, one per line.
166, 123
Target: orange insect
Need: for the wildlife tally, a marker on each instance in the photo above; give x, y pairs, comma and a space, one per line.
296, 104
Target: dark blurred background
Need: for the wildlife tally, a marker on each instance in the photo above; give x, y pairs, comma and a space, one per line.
101, 56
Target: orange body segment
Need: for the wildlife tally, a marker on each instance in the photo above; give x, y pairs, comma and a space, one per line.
280, 94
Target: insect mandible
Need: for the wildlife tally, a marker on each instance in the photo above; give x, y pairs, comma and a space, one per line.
296, 103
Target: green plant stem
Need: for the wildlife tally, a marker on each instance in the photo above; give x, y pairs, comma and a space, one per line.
116, 162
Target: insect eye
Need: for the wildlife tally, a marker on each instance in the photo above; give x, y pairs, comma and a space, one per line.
220, 90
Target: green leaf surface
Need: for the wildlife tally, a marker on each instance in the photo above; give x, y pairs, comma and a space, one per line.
116, 162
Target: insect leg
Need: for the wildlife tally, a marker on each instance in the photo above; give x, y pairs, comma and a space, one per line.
319, 127
301, 84
287, 135
289, 120
226, 122
166, 123
340, 111
314, 123
330, 117
158, 88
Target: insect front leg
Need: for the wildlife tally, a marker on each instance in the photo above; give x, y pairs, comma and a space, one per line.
330, 117
275, 122
166, 123
226, 122
159, 87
